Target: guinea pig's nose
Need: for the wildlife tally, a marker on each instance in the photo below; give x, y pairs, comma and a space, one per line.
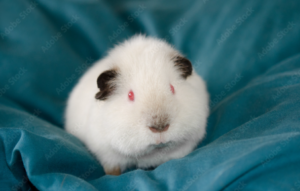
158, 129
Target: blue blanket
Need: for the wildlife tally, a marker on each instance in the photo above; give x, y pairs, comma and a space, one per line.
247, 52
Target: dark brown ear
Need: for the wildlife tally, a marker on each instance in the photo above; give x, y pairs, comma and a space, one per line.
184, 66
106, 83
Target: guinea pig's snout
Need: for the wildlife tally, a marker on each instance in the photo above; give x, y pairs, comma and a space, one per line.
159, 123
158, 129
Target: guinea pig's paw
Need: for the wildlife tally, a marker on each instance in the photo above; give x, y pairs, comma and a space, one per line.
116, 171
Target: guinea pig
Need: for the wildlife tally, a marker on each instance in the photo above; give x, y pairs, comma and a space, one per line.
141, 105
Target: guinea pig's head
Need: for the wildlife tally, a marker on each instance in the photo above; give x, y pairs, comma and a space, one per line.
150, 96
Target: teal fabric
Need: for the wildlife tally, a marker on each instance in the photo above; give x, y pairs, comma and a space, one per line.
247, 52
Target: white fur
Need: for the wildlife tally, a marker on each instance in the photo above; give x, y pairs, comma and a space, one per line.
116, 130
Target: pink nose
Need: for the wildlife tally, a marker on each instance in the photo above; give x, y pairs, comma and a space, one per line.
159, 129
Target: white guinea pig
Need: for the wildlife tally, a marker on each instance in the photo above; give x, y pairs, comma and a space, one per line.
141, 105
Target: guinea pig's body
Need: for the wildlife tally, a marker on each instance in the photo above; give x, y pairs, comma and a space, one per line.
140, 106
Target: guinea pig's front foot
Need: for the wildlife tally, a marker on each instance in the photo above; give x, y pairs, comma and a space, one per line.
114, 171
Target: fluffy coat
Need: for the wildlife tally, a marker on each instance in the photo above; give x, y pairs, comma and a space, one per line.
116, 129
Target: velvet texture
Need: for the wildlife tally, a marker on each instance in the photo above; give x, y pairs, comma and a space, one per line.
246, 51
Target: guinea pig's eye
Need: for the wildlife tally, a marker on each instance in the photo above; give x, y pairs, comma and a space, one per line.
131, 95
172, 89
